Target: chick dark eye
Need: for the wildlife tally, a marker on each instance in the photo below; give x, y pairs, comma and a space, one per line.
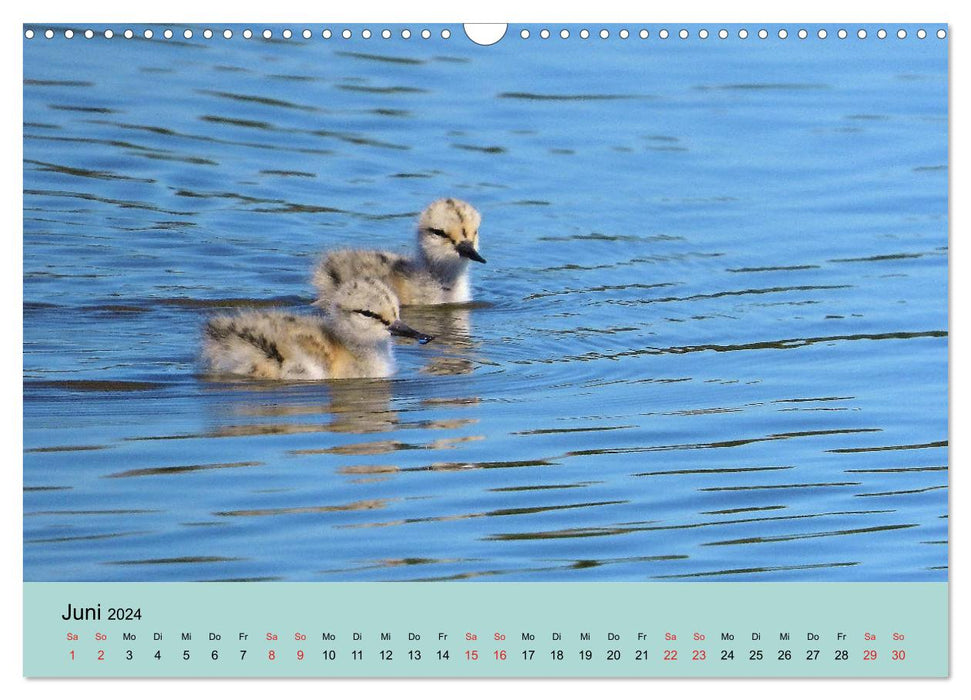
371, 314
437, 232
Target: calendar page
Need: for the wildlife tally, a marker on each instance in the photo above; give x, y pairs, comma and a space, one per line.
527, 350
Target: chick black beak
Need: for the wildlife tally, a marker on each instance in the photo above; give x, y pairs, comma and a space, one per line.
466, 250
406, 331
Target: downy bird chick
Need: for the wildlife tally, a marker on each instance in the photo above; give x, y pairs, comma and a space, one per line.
351, 339
448, 238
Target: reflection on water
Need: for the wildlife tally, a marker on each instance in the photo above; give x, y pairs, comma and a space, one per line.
710, 342
451, 327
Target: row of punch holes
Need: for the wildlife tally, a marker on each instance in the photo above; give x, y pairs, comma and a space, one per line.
447, 33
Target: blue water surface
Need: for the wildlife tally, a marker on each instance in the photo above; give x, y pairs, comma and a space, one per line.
710, 341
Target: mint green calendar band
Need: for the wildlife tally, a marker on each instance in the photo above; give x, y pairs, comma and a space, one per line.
486, 629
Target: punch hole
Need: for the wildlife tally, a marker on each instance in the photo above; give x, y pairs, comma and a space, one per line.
129, 33
327, 34
544, 34
206, 33
722, 34
763, 34
287, 34
842, 34
623, 34
446, 33
644, 34
584, 33
366, 34
307, 34
882, 34
921, 34
663, 33
227, 34
49, 34
29, 34
861, 33
901, 33
489, 34
426, 34
783, 34
347, 33
88, 34
68, 34
148, 34
247, 33
604, 34
386, 34
683, 34
743, 33
524, 34
941, 34
109, 33
267, 34
821, 34
564, 33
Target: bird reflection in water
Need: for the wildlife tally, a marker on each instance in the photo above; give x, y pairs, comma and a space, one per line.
353, 406
452, 327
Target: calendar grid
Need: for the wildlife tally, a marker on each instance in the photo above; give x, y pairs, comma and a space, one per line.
486, 630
